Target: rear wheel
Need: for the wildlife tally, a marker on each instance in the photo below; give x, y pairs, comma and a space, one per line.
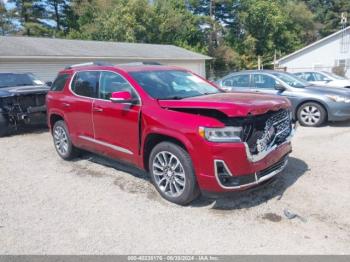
311, 114
172, 173
62, 141
4, 125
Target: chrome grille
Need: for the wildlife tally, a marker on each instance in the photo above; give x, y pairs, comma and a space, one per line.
268, 130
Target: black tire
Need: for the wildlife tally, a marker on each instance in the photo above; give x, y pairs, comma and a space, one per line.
311, 114
70, 151
4, 125
190, 190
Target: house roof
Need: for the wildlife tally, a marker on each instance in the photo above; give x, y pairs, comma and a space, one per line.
35, 47
306, 48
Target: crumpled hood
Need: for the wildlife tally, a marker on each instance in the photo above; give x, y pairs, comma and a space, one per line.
22, 90
236, 104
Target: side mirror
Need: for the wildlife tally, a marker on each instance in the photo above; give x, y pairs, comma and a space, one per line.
279, 87
122, 97
49, 83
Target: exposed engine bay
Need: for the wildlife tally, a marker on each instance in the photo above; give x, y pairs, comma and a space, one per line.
23, 109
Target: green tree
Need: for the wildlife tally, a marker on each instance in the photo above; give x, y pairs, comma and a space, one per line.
327, 14
162, 21
122, 20
30, 14
6, 25
55, 11
267, 26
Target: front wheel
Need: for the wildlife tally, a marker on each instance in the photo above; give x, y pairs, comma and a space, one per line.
172, 173
311, 114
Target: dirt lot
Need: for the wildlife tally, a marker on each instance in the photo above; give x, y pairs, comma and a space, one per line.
97, 206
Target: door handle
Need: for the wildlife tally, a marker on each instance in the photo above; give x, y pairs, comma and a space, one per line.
98, 109
66, 104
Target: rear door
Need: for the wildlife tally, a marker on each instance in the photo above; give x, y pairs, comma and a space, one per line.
78, 107
237, 82
116, 125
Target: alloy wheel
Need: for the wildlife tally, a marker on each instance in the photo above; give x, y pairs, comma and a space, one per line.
169, 174
310, 115
61, 140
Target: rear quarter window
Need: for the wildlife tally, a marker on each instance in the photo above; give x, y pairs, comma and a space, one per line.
59, 82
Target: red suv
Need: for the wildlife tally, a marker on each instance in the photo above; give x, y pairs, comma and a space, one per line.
188, 134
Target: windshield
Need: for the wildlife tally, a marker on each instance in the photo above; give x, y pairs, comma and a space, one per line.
331, 75
10, 79
291, 80
173, 84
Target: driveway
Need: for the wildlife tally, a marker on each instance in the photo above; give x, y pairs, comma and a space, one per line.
94, 205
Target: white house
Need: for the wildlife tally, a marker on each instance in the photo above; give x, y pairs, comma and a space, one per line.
46, 56
323, 55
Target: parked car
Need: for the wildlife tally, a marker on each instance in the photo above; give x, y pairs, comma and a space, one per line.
188, 134
22, 100
312, 105
324, 78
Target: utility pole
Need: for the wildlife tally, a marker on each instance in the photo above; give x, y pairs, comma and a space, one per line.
211, 49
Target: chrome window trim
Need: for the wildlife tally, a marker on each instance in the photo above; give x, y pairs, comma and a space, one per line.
256, 182
71, 81
95, 98
114, 147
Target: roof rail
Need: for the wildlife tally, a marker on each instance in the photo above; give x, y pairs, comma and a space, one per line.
140, 63
96, 63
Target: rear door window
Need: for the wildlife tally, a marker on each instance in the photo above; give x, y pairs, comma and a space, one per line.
59, 82
86, 83
309, 77
319, 77
238, 81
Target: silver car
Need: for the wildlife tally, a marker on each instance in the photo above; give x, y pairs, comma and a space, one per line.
324, 79
312, 105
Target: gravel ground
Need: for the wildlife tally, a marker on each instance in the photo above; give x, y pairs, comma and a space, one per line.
94, 205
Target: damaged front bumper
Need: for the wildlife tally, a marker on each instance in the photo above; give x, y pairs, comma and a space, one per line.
234, 168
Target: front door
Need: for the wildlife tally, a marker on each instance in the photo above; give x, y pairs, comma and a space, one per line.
116, 125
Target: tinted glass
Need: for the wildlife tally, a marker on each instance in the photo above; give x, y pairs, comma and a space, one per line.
320, 77
59, 82
173, 84
85, 83
10, 79
237, 81
291, 80
263, 81
331, 75
112, 82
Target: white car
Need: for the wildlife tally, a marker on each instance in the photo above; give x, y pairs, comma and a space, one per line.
324, 78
